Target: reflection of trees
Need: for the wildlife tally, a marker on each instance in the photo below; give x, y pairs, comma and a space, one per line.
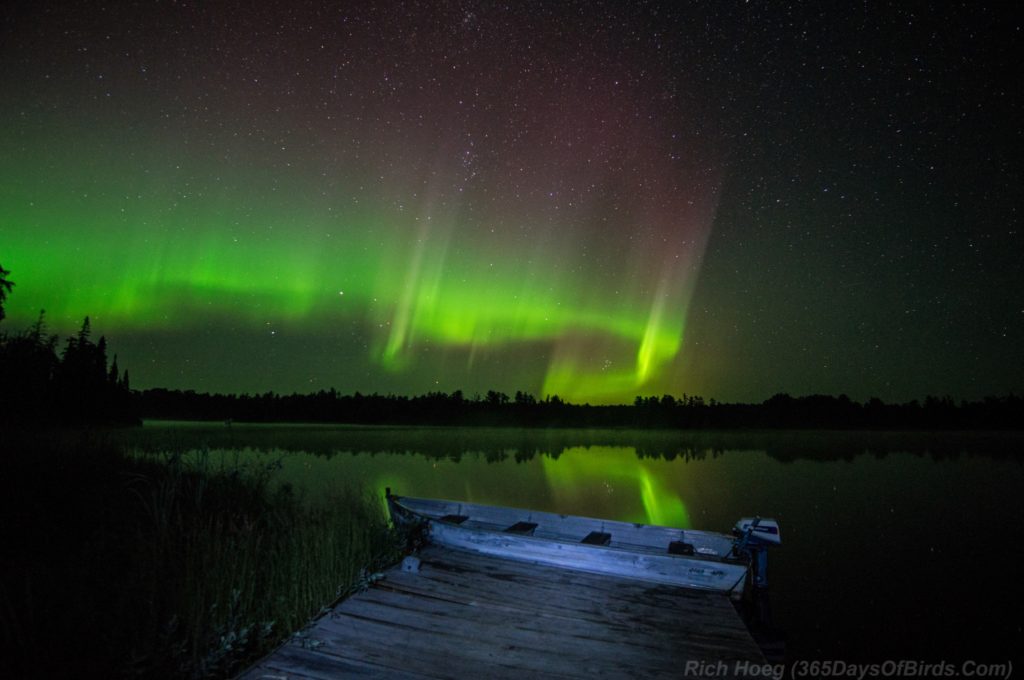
496, 445
826, 446
686, 453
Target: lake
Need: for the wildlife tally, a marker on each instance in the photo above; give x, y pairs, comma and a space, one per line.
895, 545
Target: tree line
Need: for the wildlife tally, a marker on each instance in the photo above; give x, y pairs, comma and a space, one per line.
75, 384
782, 411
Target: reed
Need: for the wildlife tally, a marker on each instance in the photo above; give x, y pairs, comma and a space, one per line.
167, 567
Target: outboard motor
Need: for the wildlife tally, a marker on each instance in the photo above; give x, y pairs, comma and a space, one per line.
754, 535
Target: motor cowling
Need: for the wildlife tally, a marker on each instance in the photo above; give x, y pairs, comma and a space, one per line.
763, 531
754, 536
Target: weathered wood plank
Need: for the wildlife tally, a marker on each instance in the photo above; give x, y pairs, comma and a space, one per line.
572, 640
545, 587
293, 661
472, 651
465, 614
657, 622
618, 631
563, 592
511, 625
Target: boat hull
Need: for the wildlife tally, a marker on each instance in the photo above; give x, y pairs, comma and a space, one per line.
647, 564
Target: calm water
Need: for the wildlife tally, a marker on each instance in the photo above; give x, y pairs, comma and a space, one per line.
896, 546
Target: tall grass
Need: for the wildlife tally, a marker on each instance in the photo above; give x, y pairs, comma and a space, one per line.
131, 566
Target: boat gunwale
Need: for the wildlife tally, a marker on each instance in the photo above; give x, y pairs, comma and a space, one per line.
620, 547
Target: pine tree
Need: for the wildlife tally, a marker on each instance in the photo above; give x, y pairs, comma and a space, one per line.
112, 376
5, 287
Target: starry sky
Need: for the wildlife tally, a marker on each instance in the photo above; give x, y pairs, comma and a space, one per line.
589, 199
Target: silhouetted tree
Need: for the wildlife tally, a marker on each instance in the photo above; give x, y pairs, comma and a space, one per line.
28, 365
5, 287
525, 398
438, 408
78, 387
496, 398
112, 376
37, 386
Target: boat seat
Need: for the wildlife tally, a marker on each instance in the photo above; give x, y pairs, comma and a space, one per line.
522, 528
680, 548
597, 538
455, 519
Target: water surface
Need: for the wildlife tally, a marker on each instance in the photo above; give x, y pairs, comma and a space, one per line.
896, 545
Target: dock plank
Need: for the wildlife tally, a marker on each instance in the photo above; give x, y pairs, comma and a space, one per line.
472, 651
466, 614
568, 593
294, 662
614, 615
514, 627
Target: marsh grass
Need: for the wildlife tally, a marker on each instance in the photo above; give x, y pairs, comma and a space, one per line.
166, 567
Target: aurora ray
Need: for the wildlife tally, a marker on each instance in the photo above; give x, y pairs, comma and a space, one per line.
541, 230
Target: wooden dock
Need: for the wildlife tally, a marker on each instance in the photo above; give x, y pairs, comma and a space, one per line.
468, 615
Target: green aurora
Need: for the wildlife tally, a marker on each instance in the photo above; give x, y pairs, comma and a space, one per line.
102, 252
594, 201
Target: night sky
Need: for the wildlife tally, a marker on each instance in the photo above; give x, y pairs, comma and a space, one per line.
595, 200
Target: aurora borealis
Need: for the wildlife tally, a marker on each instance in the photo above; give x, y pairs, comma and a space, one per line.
585, 199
